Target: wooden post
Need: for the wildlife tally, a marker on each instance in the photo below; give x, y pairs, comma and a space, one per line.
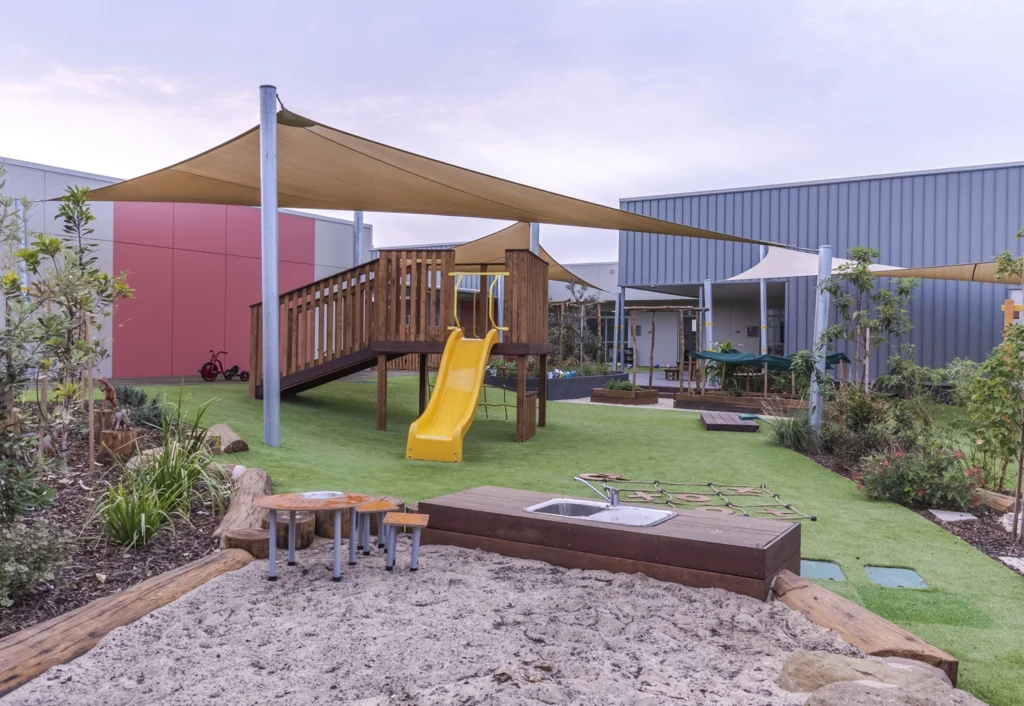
765, 380
542, 392
792, 383
521, 424
88, 392
382, 392
483, 309
424, 379
682, 347
650, 370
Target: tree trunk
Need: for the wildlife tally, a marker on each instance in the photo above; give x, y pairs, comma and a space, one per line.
230, 442
119, 444
254, 541
243, 513
1002, 473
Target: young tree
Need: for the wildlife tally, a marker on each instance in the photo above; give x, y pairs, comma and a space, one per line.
567, 326
70, 287
869, 314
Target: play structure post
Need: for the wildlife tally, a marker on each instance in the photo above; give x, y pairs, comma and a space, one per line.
764, 320
268, 253
708, 323
382, 392
535, 238
820, 324
424, 375
542, 391
483, 310
632, 332
357, 238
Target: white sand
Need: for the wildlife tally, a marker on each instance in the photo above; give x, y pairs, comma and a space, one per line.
439, 636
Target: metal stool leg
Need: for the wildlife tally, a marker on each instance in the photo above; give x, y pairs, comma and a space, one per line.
392, 532
364, 524
382, 535
337, 545
272, 558
353, 520
291, 538
414, 565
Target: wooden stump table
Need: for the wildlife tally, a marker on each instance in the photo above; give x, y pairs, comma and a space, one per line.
293, 503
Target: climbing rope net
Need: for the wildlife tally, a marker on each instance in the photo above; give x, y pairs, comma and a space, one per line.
721, 498
484, 402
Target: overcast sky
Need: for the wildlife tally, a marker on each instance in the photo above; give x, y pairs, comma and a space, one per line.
599, 99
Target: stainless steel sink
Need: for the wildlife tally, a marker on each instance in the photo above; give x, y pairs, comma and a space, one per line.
595, 511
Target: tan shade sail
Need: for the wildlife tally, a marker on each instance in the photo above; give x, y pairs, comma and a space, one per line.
490, 250
780, 263
970, 272
320, 167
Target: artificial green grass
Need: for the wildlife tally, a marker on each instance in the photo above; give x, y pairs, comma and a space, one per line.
970, 609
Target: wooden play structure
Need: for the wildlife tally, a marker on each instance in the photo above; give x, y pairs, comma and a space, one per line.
403, 303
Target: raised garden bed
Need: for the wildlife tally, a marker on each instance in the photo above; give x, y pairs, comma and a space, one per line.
558, 388
715, 401
632, 397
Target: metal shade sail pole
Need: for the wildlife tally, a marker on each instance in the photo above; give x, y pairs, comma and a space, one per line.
268, 252
820, 324
535, 238
620, 354
764, 321
357, 238
709, 326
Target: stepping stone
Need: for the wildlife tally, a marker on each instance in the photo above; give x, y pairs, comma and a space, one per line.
1014, 562
821, 570
892, 577
949, 516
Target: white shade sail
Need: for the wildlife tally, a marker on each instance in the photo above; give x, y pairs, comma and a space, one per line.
781, 263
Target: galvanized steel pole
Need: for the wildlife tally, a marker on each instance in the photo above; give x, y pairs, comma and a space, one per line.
709, 326
357, 238
820, 324
620, 306
535, 238
764, 307
268, 212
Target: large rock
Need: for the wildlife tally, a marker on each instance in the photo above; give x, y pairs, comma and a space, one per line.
872, 693
809, 671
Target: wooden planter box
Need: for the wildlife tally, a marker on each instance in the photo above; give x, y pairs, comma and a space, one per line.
742, 404
606, 396
119, 444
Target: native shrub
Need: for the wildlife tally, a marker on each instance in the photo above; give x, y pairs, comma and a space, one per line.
791, 429
139, 406
29, 554
623, 385
929, 477
857, 425
961, 373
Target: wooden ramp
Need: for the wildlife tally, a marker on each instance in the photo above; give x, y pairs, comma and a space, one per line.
726, 421
700, 549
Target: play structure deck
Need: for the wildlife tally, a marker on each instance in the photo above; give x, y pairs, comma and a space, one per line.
404, 303
701, 549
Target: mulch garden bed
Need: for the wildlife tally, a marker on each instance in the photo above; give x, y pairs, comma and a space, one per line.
95, 567
985, 534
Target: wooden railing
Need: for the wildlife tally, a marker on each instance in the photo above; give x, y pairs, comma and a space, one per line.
526, 297
404, 295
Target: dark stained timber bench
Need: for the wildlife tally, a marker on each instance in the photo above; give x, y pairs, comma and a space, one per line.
726, 421
695, 548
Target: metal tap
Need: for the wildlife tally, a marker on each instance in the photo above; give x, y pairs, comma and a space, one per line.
612, 498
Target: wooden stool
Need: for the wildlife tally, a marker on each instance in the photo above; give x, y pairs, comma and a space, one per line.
394, 520
363, 513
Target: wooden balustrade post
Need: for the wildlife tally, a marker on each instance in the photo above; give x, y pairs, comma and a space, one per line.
542, 392
424, 373
382, 392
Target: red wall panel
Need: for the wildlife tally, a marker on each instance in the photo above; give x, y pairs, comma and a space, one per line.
244, 284
142, 326
296, 239
198, 317
243, 231
200, 227
144, 223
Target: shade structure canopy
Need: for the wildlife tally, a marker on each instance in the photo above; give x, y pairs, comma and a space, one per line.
968, 272
324, 168
780, 263
490, 250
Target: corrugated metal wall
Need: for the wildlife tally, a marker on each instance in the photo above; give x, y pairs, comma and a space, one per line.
914, 220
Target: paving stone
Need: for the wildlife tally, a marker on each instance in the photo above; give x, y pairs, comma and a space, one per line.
950, 516
1014, 562
893, 577
821, 570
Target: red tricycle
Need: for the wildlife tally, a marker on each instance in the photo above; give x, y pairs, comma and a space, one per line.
213, 367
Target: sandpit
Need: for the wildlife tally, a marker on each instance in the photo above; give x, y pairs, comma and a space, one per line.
469, 628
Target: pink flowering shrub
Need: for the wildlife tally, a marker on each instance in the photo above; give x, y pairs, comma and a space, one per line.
929, 477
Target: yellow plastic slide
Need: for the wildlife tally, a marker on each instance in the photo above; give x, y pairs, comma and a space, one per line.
437, 435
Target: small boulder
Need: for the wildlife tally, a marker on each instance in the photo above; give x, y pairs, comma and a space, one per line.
143, 458
872, 693
809, 671
237, 471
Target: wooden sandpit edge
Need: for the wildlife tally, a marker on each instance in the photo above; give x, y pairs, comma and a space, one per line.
858, 626
30, 652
